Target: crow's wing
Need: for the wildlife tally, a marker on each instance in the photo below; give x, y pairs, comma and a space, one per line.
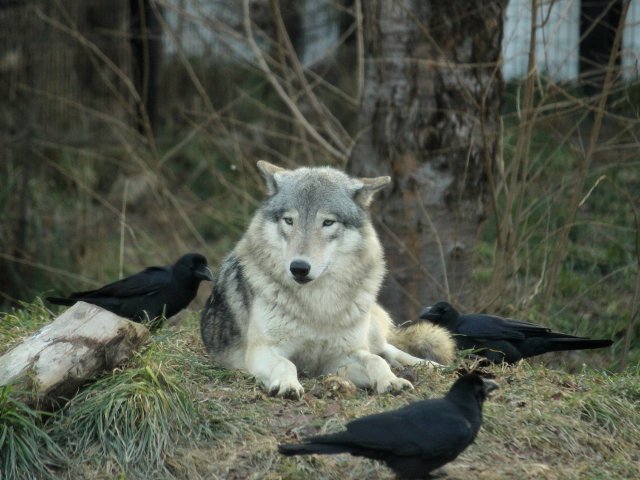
497, 328
527, 328
146, 282
426, 429
487, 327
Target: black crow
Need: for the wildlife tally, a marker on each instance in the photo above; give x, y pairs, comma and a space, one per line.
413, 440
153, 292
503, 339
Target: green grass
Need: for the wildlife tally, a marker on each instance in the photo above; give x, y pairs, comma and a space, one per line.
26, 448
14, 325
169, 414
138, 420
134, 418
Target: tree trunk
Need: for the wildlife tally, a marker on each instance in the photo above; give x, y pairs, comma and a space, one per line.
81, 343
146, 54
599, 20
430, 119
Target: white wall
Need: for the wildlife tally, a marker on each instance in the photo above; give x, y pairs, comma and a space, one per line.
556, 42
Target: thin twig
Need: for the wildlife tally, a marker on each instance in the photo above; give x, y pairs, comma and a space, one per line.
338, 154
123, 217
357, 5
586, 163
436, 235
330, 124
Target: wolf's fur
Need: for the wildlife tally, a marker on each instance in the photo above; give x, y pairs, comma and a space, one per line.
270, 317
425, 340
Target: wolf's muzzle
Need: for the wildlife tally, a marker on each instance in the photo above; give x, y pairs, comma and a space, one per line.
300, 270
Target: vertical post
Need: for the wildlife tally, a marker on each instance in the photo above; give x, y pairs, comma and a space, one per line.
599, 20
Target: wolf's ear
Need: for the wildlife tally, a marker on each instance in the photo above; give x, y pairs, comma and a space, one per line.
368, 187
269, 172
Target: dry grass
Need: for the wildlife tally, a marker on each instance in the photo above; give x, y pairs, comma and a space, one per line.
543, 423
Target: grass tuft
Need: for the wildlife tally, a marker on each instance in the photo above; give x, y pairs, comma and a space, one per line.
21, 322
26, 449
135, 418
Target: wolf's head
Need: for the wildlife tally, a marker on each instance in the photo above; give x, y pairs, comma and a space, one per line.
315, 215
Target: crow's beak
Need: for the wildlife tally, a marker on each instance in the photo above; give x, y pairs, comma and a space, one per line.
427, 315
204, 273
489, 385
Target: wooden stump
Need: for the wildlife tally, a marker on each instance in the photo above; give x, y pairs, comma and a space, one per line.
78, 345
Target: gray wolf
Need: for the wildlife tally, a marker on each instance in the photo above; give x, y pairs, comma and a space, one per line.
413, 440
298, 292
148, 294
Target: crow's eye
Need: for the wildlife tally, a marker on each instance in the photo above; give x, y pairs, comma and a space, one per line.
288, 220
328, 223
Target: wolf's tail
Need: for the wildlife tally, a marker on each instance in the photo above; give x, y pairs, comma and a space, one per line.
425, 340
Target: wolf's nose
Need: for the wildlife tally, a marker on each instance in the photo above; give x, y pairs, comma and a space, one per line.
299, 269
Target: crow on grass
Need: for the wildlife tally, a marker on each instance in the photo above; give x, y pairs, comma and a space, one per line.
503, 339
413, 440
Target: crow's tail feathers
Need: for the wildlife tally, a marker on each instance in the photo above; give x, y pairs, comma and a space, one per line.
577, 343
61, 301
309, 448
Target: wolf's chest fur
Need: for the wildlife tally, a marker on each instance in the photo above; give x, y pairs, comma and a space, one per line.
316, 324
315, 342
312, 310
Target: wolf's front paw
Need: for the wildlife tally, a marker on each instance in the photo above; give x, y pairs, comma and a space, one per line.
393, 385
286, 389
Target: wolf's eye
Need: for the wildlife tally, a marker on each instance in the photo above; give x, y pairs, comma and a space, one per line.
328, 223
288, 220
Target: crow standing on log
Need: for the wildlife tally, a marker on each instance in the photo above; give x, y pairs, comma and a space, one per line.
153, 292
503, 339
413, 440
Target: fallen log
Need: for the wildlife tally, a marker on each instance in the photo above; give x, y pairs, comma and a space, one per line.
81, 343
